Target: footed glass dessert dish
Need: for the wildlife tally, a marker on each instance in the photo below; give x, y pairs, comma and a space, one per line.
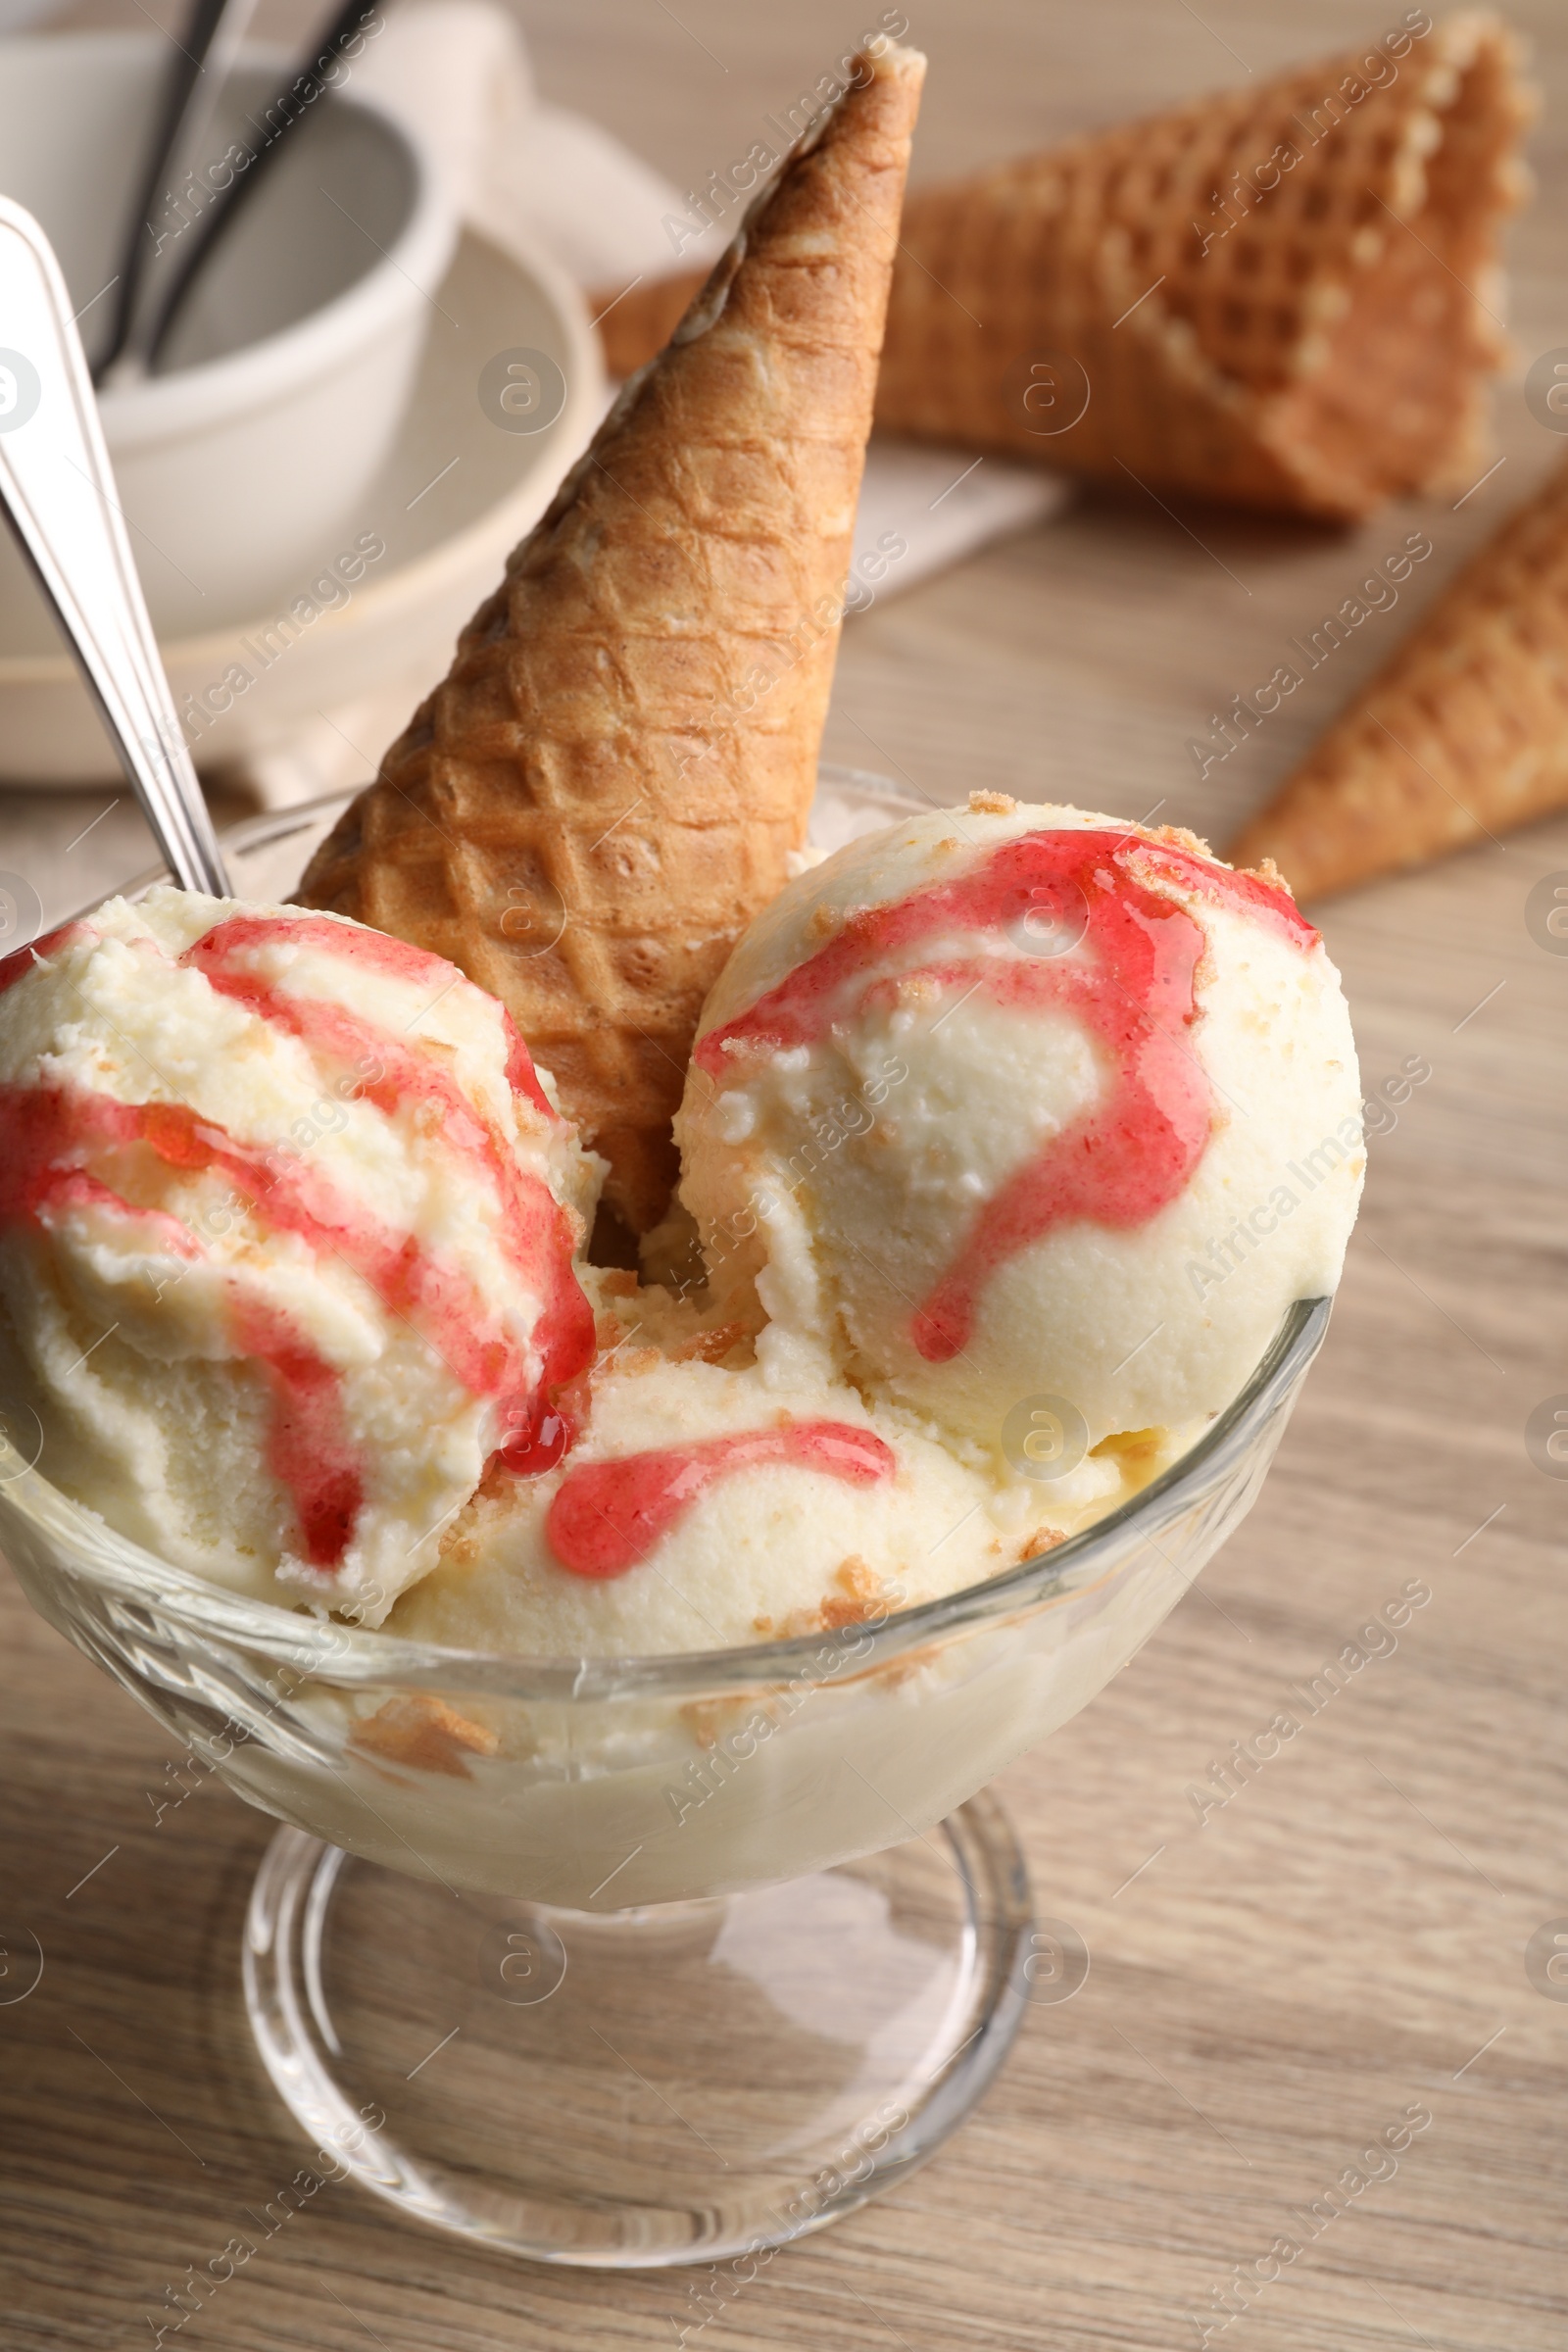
640, 1961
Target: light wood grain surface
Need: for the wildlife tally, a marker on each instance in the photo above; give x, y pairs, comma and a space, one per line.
1344, 1939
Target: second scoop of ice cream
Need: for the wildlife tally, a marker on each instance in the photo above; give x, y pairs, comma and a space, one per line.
1030, 1120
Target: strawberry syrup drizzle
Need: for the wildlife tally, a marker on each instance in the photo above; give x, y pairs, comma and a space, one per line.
535, 1232
1134, 986
431, 1293
392, 959
51, 1130
73, 1188
608, 1516
308, 1448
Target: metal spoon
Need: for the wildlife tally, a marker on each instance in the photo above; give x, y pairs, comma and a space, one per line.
204, 55
57, 493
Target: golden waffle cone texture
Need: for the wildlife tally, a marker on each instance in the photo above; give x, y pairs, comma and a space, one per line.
1463, 734
1311, 334
607, 786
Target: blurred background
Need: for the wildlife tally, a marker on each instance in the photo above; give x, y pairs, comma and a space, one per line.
1362, 1928
1037, 630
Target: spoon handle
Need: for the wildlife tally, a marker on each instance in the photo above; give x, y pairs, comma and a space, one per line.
58, 492
200, 65
289, 105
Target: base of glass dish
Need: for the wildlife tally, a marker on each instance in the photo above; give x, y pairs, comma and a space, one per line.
687, 2082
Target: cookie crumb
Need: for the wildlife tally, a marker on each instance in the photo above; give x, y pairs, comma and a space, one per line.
710, 1346
1130, 1445
861, 1591
857, 1578
992, 803
424, 1732
1179, 838
1267, 872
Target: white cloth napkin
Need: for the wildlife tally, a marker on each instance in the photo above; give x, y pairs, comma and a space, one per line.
527, 174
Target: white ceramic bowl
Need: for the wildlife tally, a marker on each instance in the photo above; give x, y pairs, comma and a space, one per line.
287, 377
454, 496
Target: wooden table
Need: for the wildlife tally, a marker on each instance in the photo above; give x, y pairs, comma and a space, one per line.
1269, 1988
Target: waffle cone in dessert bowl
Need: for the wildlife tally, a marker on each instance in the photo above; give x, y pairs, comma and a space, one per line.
1284, 296
1462, 734
609, 782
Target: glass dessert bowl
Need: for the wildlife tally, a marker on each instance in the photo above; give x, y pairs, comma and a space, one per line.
638, 1961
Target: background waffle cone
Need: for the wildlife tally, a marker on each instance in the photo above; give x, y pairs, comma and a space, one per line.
608, 784
1463, 734
1282, 296
636, 322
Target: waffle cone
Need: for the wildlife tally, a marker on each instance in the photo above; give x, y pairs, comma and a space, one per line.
1462, 735
635, 322
609, 783
1309, 334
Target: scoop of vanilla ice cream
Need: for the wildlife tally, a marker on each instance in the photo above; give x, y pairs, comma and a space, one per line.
706, 1508
287, 1229
1030, 1120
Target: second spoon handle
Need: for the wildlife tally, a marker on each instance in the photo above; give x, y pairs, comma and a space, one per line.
58, 492
288, 106
199, 65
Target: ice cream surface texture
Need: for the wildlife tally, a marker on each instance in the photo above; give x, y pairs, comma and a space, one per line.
1014, 1110
286, 1234
706, 1508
